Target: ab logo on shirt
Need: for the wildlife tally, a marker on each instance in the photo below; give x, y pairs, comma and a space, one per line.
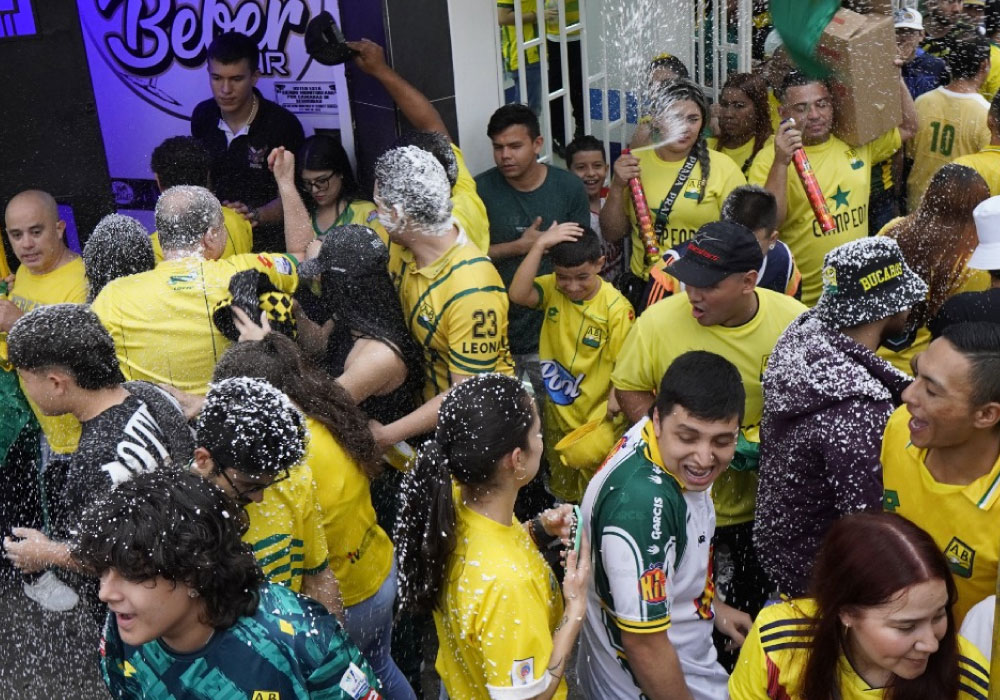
265, 695
960, 557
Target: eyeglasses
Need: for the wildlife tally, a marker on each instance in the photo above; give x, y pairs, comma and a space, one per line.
319, 183
245, 494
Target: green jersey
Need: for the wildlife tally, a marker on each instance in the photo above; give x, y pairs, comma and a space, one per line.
290, 649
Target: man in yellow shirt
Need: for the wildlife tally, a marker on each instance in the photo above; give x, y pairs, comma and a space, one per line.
182, 160
952, 118
431, 135
251, 441
454, 302
941, 455
722, 311
161, 320
987, 161
50, 273
844, 174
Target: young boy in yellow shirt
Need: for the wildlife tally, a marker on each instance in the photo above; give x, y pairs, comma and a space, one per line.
586, 321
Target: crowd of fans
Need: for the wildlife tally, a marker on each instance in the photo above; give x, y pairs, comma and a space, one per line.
455, 439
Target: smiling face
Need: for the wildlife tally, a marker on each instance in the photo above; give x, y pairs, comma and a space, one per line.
590, 167
942, 414
695, 450
579, 283
152, 609
898, 637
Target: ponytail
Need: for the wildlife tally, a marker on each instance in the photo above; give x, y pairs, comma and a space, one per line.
425, 529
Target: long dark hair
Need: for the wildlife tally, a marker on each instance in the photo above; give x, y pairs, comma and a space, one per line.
277, 359
754, 87
480, 421
866, 560
322, 152
938, 238
678, 90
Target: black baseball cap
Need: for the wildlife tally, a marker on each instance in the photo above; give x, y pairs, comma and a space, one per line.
719, 249
352, 249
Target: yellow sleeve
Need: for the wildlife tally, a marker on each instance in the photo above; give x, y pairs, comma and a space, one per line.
315, 552
884, 146
633, 369
973, 672
467, 205
239, 234
476, 329
749, 678
280, 268
545, 285
992, 82
619, 325
516, 642
761, 166
365, 213
154, 238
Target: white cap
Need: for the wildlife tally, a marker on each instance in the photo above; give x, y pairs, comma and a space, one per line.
772, 43
986, 256
908, 18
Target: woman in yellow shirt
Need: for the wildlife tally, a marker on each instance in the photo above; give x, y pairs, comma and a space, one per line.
331, 192
937, 240
880, 625
502, 630
342, 456
744, 119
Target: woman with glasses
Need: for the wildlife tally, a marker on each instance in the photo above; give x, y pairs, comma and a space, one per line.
331, 192
250, 443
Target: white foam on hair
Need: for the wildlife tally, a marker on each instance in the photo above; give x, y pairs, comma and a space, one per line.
413, 183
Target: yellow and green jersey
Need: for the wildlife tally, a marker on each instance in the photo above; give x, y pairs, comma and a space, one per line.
65, 284
239, 236
773, 659
456, 310
508, 35
667, 329
360, 212
687, 214
161, 320
577, 348
987, 163
467, 206
963, 519
286, 530
290, 647
844, 174
742, 155
360, 551
992, 83
498, 609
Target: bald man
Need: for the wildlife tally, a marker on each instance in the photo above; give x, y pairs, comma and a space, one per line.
50, 273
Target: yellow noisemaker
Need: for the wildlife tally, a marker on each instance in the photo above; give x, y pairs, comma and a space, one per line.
587, 447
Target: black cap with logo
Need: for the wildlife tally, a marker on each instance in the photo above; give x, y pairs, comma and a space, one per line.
719, 249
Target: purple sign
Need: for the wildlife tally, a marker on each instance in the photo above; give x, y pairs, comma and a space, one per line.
16, 19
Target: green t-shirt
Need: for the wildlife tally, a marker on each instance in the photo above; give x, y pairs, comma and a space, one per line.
290, 648
560, 198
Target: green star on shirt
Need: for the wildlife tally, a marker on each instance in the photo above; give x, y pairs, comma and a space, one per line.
840, 197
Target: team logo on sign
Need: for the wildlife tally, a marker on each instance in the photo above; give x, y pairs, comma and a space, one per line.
960, 557
653, 584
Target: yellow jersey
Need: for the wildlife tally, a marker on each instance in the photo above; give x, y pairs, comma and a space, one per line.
987, 163
456, 310
508, 35
577, 348
499, 606
467, 207
742, 155
286, 530
572, 12
952, 124
360, 212
65, 284
688, 214
161, 320
773, 106
239, 236
773, 660
844, 174
992, 83
360, 551
667, 329
963, 520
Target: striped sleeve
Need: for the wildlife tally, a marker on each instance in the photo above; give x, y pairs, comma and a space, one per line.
973, 673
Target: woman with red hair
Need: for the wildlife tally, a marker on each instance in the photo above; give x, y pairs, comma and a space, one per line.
879, 625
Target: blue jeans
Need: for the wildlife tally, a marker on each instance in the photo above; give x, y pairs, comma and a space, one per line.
369, 625
533, 80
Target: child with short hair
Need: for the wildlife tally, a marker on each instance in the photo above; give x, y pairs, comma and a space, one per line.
586, 159
753, 207
586, 321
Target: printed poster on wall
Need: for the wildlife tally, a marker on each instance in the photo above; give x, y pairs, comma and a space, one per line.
148, 63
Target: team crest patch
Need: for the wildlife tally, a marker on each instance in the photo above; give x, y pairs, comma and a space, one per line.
257, 157
552, 314
653, 584
265, 695
830, 279
354, 683
763, 365
522, 672
593, 337
372, 216
960, 557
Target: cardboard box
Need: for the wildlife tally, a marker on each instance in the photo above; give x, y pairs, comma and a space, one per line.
878, 7
860, 50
